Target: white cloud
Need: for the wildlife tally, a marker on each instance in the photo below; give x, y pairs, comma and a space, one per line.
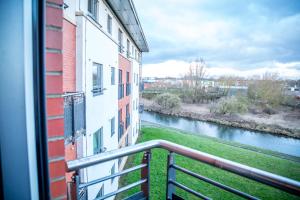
175, 68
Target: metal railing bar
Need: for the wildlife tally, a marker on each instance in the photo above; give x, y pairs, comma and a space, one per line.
189, 190
217, 184
122, 189
126, 171
267, 178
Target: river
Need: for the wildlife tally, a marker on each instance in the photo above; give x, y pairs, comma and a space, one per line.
272, 142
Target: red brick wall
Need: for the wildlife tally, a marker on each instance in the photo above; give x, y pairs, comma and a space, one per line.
69, 56
54, 102
125, 66
69, 77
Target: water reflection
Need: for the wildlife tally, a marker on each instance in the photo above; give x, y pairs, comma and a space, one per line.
276, 143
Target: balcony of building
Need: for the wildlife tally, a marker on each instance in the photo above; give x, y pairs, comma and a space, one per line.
74, 115
173, 169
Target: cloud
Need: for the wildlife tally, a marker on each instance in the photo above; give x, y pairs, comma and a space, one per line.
178, 68
241, 35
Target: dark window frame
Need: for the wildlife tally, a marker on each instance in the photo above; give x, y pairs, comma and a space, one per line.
113, 76
98, 87
99, 148
112, 126
109, 24
93, 9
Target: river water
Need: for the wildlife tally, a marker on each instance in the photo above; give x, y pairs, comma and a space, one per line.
280, 144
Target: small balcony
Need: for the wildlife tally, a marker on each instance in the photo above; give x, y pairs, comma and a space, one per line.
173, 170
128, 89
120, 91
74, 115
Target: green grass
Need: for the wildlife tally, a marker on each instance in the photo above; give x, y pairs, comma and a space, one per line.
265, 162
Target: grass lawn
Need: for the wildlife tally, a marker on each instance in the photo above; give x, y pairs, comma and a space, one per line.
265, 162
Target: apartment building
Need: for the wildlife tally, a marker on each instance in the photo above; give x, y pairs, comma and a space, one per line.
100, 43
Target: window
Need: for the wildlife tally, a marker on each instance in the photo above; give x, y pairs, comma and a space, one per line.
127, 77
93, 8
109, 24
127, 109
101, 192
98, 141
137, 79
126, 140
113, 171
128, 48
97, 79
112, 76
120, 76
112, 126
120, 39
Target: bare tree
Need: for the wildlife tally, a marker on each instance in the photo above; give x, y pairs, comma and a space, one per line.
194, 80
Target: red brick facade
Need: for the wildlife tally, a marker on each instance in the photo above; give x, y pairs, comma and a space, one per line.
55, 102
69, 56
125, 66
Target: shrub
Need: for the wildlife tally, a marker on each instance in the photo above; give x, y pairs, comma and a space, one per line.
168, 101
269, 110
266, 91
230, 105
148, 95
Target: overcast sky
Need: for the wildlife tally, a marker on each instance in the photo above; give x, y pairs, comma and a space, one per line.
234, 37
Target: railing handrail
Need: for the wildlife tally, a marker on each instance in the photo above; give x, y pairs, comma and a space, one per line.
280, 182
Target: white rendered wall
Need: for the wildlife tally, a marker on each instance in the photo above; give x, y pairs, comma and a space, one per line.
135, 101
97, 47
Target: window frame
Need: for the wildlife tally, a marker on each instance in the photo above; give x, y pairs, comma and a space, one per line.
109, 24
113, 76
99, 148
97, 88
93, 9
112, 126
120, 40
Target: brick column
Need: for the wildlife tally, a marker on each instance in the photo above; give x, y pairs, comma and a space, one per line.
55, 103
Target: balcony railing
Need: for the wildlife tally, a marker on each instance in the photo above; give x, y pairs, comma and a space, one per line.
128, 89
74, 114
120, 91
273, 180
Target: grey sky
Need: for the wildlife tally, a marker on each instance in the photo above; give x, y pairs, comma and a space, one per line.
241, 35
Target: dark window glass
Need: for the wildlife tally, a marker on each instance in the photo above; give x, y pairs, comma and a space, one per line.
98, 141
112, 126
97, 78
120, 76
93, 8
109, 24
112, 75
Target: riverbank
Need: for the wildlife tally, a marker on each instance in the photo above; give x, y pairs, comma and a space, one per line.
265, 123
258, 160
